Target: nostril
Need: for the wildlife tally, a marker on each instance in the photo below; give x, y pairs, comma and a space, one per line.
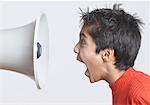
75, 49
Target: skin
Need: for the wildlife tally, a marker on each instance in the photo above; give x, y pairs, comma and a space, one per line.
99, 66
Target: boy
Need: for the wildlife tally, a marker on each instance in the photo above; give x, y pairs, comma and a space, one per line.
109, 43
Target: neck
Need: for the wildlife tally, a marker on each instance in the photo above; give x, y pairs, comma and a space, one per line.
112, 75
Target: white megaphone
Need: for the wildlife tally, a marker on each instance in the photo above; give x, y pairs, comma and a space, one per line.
26, 50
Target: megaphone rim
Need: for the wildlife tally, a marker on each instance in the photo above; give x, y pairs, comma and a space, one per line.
37, 24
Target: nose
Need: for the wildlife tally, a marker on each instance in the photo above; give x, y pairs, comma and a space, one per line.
76, 48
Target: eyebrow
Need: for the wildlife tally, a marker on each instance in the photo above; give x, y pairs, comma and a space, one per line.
83, 35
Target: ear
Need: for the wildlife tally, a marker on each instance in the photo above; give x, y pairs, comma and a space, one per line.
107, 55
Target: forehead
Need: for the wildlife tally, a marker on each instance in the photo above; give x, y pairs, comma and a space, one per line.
85, 31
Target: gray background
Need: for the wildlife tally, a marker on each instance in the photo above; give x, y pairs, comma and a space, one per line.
67, 84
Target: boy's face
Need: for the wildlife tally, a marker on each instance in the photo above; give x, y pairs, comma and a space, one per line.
85, 50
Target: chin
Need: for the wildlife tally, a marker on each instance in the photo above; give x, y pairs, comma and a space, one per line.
92, 81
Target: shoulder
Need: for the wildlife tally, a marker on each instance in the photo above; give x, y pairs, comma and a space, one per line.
141, 98
139, 83
139, 89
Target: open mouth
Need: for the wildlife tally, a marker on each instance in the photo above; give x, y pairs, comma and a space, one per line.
87, 73
78, 58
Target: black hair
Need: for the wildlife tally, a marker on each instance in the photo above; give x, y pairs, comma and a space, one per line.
117, 30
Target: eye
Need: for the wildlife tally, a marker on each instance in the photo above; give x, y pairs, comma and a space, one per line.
82, 42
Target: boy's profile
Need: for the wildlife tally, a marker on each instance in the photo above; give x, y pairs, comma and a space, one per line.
109, 43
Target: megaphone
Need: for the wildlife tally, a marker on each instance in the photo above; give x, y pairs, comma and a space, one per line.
25, 50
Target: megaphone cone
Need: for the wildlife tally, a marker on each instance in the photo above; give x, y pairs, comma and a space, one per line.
26, 50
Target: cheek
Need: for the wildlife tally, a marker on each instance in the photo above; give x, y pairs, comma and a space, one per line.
87, 56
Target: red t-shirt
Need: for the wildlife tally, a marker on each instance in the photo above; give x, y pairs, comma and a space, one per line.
132, 88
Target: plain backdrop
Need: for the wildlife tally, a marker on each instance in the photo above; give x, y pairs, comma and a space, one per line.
67, 84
